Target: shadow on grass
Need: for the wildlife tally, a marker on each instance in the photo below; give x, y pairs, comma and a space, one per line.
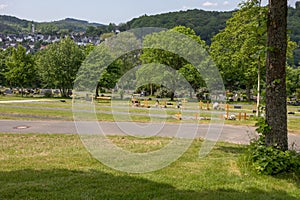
292, 177
68, 184
232, 149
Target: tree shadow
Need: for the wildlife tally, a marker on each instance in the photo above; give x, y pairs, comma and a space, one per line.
232, 149
94, 184
292, 177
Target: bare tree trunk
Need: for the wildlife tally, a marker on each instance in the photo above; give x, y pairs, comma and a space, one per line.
276, 111
248, 92
151, 89
97, 90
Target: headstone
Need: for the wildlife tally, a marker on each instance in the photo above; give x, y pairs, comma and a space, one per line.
216, 106
237, 107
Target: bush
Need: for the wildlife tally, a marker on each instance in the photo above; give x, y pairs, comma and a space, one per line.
48, 94
270, 160
163, 93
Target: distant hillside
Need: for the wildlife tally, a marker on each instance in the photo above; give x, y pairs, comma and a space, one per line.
208, 23
10, 24
205, 23
67, 24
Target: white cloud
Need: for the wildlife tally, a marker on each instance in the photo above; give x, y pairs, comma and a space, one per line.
226, 3
3, 6
209, 4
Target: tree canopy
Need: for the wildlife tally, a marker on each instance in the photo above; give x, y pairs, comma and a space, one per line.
58, 65
20, 69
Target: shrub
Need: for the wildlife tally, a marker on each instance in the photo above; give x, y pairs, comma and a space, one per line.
270, 160
48, 94
163, 93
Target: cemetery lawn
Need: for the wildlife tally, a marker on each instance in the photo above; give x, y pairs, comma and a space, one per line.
41, 166
55, 109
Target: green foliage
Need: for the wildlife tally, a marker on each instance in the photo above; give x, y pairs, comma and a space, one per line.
110, 75
59, 63
9, 24
294, 31
239, 49
192, 76
171, 64
205, 23
20, 68
270, 160
3, 57
69, 25
263, 127
292, 80
164, 93
13, 25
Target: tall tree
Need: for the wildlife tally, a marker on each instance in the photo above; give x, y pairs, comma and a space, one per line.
238, 50
21, 71
2, 67
173, 60
276, 110
59, 63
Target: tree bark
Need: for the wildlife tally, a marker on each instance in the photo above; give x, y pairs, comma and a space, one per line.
276, 111
97, 90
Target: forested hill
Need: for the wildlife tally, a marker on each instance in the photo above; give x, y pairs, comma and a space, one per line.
12, 25
205, 23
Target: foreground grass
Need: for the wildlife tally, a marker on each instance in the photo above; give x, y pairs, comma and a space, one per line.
36, 166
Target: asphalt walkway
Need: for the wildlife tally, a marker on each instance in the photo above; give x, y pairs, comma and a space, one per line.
227, 133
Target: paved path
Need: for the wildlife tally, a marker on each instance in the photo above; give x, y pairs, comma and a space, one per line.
228, 133
25, 101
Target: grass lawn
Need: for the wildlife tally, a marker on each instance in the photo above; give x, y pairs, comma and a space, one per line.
40, 166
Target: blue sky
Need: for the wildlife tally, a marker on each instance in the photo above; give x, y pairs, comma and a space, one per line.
106, 11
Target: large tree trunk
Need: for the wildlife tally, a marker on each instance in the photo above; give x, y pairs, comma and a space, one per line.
276, 111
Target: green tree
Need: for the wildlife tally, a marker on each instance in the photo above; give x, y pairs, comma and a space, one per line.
192, 76
3, 68
106, 63
126, 48
20, 70
239, 49
4, 55
292, 80
109, 76
173, 60
59, 63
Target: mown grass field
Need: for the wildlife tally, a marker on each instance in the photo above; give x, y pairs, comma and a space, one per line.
40, 166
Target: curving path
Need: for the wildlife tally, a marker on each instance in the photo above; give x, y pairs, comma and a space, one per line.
228, 133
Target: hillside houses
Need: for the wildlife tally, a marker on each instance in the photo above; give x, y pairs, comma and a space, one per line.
36, 42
